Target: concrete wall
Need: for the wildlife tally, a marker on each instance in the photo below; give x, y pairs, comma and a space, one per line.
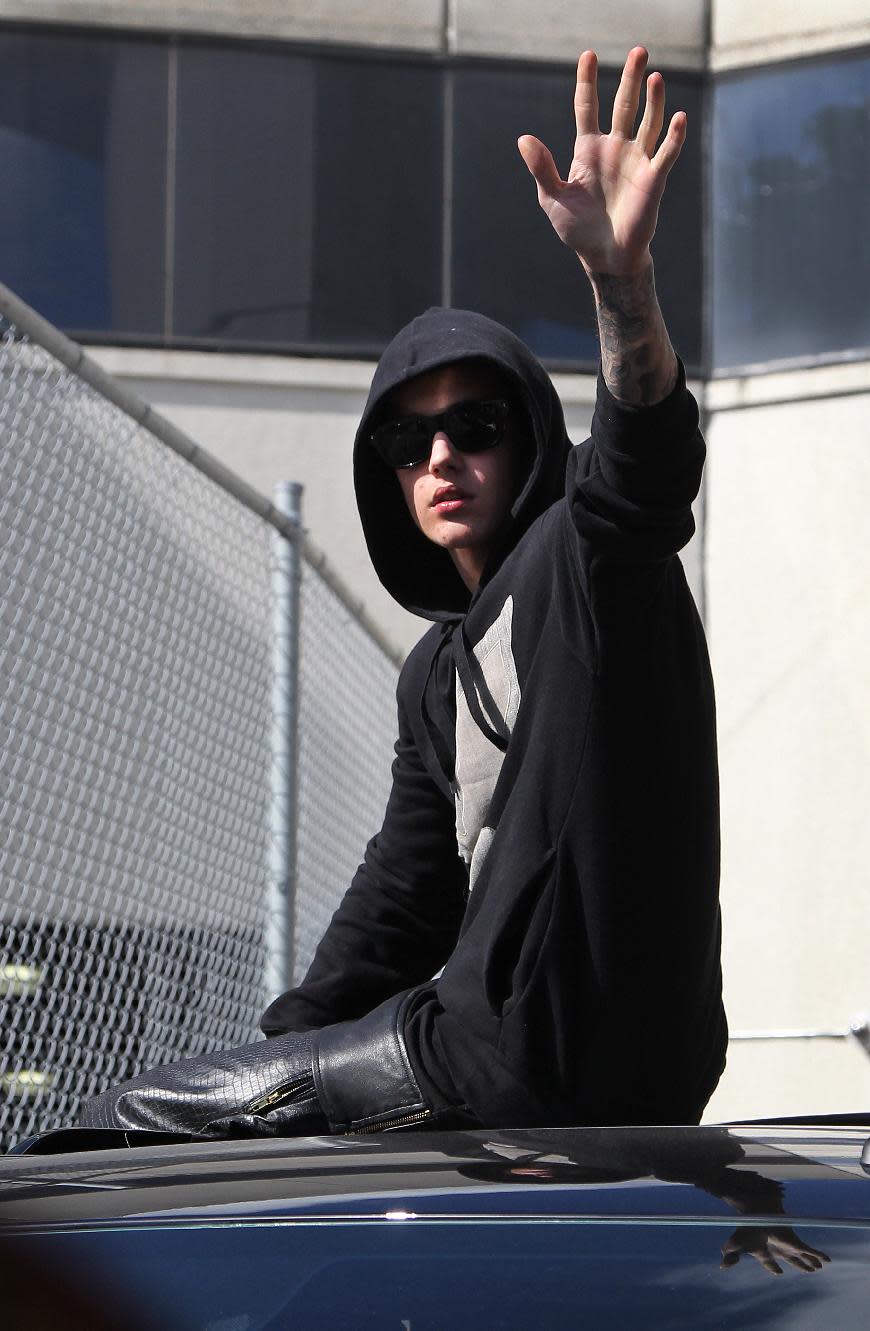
559, 29
745, 32
787, 547
787, 543
674, 32
397, 23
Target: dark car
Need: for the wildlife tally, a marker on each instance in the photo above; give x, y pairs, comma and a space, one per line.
623, 1228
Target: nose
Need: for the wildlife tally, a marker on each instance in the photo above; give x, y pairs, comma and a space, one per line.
442, 453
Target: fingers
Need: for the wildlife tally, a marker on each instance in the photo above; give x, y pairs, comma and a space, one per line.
672, 143
627, 98
586, 94
539, 160
801, 1256
804, 1262
625, 107
653, 114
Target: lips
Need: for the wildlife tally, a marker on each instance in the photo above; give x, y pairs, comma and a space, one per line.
448, 494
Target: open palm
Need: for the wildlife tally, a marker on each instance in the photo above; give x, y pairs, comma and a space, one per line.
606, 210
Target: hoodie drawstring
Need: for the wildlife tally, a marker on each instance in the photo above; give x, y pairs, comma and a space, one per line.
477, 694
439, 720
442, 751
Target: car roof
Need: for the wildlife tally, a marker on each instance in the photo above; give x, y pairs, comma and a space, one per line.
791, 1171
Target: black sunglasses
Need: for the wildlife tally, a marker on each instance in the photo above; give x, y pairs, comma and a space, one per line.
471, 427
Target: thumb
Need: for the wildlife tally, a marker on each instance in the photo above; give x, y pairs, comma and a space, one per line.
539, 160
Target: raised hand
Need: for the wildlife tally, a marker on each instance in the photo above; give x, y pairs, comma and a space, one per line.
607, 209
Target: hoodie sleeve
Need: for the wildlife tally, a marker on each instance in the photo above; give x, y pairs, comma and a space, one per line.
630, 487
400, 917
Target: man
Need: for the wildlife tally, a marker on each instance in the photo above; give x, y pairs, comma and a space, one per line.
550, 846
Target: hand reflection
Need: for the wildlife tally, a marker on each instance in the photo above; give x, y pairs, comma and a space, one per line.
713, 1158
765, 1244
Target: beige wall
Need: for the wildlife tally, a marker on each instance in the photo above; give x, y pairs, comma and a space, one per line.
782, 1078
787, 542
558, 29
398, 23
745, 32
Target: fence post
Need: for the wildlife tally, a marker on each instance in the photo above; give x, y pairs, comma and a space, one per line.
286, 580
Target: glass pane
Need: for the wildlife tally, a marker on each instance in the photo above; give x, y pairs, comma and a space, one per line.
82, 159
507, 263
791, 212
378, 214
308, 206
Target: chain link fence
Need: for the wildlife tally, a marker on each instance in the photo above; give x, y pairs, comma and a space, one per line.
347, 726
136, 729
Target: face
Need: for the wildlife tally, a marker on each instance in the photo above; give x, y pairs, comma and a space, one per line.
458, 500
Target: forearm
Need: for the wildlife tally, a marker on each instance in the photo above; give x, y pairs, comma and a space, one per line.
637, 360
375, 946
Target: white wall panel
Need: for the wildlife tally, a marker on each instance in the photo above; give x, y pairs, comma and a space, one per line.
745, 32
788, 615
766, 1078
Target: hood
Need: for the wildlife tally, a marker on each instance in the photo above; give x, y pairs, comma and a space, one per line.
417, 573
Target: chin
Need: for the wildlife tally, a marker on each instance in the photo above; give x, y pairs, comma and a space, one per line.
453, 536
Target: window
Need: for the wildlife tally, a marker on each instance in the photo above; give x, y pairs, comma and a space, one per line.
791, 212
82, 144
203, 193
308, 198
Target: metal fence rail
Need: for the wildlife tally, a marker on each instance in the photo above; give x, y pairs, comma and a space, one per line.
136, 722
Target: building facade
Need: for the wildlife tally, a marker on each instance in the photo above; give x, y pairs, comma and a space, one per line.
235, 204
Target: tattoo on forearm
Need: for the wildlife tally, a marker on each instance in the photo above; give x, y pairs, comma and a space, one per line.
637, 358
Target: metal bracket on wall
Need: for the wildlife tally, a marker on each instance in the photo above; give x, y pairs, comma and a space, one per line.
858, 1029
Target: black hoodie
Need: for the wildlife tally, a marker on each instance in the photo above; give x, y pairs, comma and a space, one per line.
551, 837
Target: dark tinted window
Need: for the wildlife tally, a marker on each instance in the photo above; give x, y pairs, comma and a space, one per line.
308, 204
378, 216
507, 262
791, 207
308, 197
82, 160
